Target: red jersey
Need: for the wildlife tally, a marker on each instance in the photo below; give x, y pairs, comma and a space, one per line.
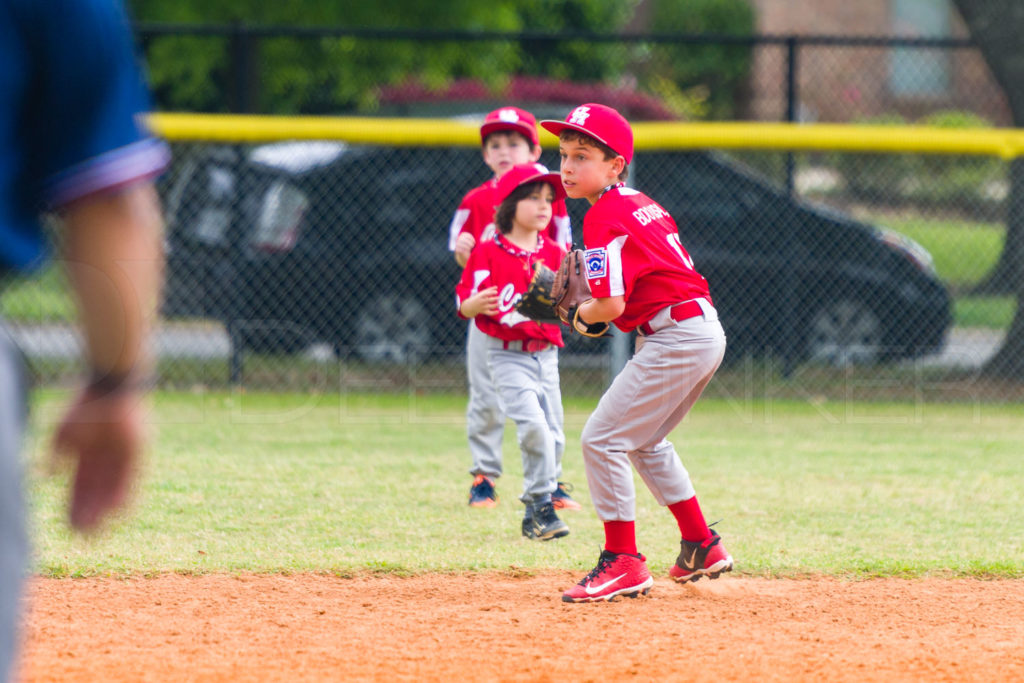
500, 263
633, 250
475, 215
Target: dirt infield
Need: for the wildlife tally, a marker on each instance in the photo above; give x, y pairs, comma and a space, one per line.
506, 627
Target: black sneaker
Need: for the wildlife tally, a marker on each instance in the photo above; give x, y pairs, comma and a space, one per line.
543, 524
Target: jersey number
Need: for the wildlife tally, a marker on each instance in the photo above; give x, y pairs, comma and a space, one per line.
675, 243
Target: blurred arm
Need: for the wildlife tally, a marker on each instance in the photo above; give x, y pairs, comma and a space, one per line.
113, 252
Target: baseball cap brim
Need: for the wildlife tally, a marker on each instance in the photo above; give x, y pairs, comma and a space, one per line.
521, 127
557, 127
552, 179
555, 180
526, 174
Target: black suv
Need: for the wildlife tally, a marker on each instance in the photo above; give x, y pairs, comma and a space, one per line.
295, 243
801, 279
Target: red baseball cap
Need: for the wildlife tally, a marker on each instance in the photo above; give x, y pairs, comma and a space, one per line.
511, 118
523, 174
602, 123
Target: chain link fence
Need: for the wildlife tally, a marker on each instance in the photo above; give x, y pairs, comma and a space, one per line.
323, 265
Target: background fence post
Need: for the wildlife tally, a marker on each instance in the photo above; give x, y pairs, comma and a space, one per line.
236, 246
791, 106
789, 304
244, 81
618, 349
243, 98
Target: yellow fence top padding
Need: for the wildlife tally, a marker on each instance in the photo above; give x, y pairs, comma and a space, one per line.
1002, 142
358, 130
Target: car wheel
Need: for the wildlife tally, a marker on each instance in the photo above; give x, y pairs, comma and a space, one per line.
843, 333
393, 329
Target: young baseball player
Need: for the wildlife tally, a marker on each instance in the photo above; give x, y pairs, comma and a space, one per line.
522, 355
641, 278
509, 137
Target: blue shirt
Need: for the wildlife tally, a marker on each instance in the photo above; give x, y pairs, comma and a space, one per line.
71, 101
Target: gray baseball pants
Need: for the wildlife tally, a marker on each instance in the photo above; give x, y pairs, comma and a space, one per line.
485, 422
13, 544
646, 401
530, 394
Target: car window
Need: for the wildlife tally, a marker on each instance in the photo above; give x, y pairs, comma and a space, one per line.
715, 206
279, 217
688, 187
419, 188
209, 194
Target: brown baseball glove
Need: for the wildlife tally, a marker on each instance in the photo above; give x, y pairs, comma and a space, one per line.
553, 296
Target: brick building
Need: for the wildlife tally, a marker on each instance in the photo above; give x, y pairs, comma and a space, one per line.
844, 83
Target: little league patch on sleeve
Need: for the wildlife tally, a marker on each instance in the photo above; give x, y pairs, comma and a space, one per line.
597, 263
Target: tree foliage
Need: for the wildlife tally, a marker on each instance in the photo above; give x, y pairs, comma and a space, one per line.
699, 80
312, 74
303, 74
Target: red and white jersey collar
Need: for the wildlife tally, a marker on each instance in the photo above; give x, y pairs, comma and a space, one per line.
613, 186
517, 251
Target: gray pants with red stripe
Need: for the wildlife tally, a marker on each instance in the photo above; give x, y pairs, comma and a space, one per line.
646, 401
530, 394
13, 546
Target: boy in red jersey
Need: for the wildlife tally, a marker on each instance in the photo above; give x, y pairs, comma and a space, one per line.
509, 137
641, 278
522, 355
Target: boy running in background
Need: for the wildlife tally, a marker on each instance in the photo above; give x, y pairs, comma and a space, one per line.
641, 278
509, 137
522, 355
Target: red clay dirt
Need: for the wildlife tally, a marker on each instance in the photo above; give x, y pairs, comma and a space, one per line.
504, 627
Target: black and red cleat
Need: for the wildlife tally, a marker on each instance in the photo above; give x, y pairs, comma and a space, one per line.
708, 558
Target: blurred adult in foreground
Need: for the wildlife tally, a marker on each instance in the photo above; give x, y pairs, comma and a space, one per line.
72, 144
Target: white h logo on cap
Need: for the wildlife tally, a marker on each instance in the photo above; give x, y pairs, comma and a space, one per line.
508, 116
579, 115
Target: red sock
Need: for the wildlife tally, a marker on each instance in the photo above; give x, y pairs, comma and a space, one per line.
620, 537
690, 519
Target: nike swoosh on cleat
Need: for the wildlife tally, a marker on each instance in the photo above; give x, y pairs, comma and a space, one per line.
691, 564
591, 589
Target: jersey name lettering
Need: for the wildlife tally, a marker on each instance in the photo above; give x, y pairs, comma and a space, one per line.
651, 212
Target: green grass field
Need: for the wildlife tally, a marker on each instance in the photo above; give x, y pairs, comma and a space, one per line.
42, 297
344, 484
964, 252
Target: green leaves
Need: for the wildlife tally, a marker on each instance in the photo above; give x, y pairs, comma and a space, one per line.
303, 74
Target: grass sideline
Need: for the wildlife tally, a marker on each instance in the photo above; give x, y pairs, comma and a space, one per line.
964, 252
351, 483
